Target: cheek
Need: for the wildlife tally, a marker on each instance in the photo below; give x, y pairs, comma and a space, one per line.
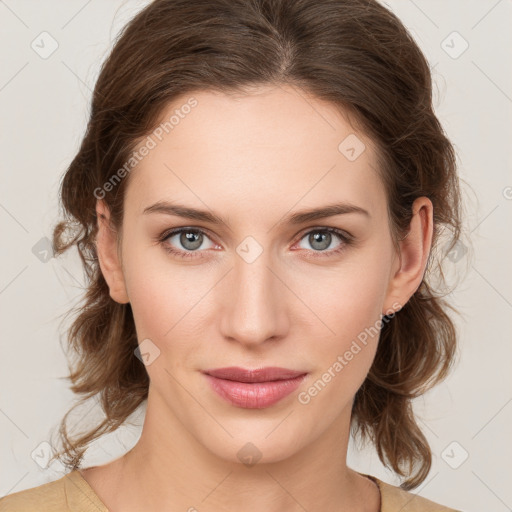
166, 300
350, 297
342, 301
152, 289
342, 360
349, 304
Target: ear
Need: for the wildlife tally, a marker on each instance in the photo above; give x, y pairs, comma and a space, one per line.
412, 259
106, 248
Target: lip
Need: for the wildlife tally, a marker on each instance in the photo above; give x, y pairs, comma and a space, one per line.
267, 374
254, 389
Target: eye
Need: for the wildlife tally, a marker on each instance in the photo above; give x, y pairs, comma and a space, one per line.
192, 242
187, 240
323, 240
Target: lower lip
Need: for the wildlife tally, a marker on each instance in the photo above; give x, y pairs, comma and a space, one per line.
254, 395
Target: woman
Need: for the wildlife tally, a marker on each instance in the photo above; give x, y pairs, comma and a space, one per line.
256, 202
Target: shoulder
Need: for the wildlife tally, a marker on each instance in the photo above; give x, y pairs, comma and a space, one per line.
49, 496
68, 493
395, 498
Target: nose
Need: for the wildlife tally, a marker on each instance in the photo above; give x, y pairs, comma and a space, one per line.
254, 303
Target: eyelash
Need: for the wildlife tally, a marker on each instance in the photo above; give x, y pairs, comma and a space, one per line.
345, 238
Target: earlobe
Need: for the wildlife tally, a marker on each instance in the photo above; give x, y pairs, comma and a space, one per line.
109, 261
414, 252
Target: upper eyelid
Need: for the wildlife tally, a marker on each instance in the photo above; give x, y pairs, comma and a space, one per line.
332, 229
337, 231
174, 231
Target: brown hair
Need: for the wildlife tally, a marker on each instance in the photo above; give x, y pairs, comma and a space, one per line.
355, 54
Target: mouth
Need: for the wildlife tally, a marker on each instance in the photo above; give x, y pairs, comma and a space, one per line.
254, 389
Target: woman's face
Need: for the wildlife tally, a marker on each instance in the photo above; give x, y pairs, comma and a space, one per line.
256, 289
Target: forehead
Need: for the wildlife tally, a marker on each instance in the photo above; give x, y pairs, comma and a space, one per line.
272, 147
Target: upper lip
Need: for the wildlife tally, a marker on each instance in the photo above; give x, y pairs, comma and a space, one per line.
266, 374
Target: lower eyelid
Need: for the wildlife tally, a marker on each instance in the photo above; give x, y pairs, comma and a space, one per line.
164, 239
344, 238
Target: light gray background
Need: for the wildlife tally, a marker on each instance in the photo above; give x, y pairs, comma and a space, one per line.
44, 107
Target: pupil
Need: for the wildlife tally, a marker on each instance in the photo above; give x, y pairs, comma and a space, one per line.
320, 237
191, 240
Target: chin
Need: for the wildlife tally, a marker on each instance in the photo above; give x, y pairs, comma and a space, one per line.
261, 443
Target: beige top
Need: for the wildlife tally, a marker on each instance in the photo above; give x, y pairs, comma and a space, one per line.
72, 493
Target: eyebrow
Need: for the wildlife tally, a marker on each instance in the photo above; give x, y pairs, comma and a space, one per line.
299, 217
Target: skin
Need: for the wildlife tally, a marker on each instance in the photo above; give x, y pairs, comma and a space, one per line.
253, 159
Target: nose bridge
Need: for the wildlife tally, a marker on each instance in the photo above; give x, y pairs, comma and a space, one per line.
255, 310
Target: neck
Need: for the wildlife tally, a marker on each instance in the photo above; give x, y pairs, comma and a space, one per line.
176, 472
